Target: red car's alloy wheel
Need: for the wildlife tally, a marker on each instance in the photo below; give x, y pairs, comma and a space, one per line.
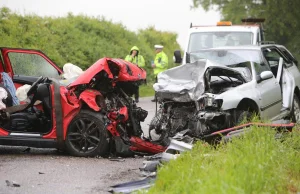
87, 135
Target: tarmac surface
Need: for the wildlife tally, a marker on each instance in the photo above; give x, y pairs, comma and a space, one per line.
34, 171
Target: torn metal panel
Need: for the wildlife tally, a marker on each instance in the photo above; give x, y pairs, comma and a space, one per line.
178, 146
176, 85
133, 185
182, 136
166, 157
150, 166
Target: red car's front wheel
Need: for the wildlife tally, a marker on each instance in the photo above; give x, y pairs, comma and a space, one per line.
87, 135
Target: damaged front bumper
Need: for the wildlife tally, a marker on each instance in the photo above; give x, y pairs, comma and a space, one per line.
206, 116
209, 116
209, 121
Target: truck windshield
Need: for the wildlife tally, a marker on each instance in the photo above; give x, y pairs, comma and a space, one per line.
204, 40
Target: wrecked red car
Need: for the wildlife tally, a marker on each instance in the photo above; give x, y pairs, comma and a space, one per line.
94, 115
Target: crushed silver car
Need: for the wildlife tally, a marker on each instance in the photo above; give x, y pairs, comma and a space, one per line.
220, 87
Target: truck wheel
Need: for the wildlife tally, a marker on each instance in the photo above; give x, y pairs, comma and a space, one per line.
87, 135
295, 113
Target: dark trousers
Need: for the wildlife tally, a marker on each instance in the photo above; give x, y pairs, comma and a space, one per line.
155, 91
137, 92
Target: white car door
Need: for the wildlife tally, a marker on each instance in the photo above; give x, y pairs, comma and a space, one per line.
292, 74
270, 99
288, 77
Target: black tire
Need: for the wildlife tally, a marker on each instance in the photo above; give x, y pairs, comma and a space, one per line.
242, 116
154, 124
87, 135
295, 112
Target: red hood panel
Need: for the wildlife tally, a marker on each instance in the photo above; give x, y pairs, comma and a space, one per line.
127, 71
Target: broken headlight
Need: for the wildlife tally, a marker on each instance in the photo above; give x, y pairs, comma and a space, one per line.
218, 103
211, 102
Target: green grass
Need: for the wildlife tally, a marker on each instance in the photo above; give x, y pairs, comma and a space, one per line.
146, 90
256, 163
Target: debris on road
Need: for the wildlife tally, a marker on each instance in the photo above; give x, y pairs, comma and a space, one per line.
150, 167
133, 185
117, 159
12, 184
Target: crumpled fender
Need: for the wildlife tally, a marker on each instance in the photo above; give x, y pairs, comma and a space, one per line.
89, 97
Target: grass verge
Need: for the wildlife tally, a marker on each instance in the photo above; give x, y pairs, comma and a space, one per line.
146, 90
255, 163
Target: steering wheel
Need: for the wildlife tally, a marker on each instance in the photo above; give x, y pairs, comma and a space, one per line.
34, 86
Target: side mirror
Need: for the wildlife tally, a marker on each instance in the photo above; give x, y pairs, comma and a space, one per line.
264, 76
177, 56
187, 57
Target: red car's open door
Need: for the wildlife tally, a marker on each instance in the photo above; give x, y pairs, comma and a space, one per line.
25, 65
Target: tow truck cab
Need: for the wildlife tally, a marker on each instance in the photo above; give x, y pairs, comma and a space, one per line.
222, 34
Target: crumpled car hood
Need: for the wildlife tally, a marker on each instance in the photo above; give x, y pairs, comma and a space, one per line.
187, 82
121, 70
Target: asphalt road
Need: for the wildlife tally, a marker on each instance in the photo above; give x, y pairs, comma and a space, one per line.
47, 171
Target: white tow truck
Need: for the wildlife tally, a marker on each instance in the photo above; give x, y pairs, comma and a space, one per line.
222, 34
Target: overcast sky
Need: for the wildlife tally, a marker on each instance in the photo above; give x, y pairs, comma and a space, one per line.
166, 15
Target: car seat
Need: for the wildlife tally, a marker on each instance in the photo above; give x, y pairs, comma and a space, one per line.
43, 94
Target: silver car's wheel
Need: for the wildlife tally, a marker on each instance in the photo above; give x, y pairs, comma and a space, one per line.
242, 117
296, 110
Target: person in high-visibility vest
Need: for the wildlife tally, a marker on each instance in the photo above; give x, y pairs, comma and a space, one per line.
160, 63
135, 58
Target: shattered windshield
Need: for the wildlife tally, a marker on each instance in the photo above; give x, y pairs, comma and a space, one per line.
205, 40
239, 60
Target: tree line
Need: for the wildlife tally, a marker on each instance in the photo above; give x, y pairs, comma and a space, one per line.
80, 39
